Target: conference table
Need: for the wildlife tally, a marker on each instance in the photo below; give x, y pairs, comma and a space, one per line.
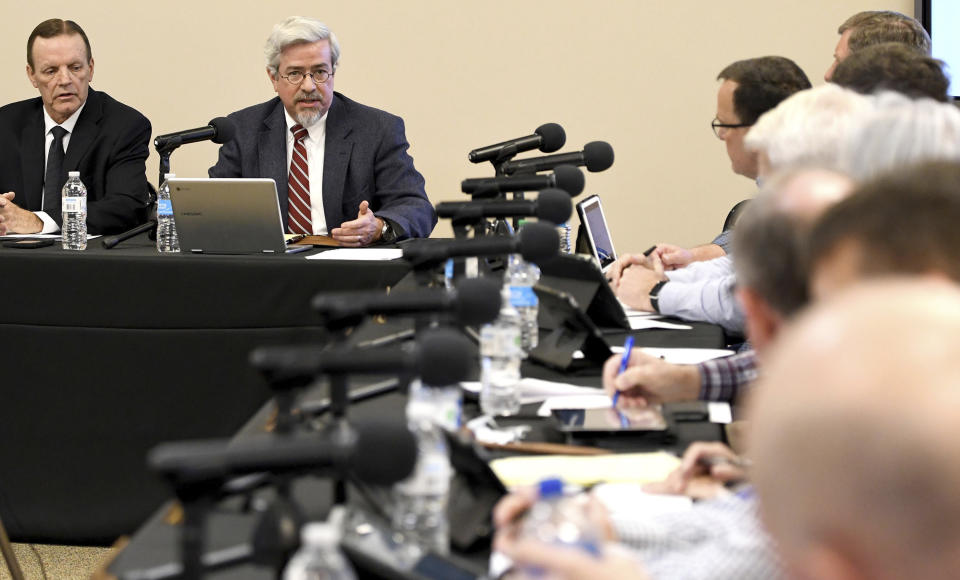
114, 351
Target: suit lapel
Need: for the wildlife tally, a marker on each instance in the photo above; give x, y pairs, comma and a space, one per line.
32, 158
336, 159
84, 132
273, 154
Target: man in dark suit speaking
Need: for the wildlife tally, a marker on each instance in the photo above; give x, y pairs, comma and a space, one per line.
70, 127
341, 168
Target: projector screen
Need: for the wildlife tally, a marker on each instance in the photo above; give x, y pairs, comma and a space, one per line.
940, 18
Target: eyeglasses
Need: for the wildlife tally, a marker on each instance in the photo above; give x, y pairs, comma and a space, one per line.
297, 76
717, 125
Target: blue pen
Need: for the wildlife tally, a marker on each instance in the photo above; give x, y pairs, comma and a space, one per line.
624, 361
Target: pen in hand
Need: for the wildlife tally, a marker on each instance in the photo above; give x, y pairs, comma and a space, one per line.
624, 360
649, 251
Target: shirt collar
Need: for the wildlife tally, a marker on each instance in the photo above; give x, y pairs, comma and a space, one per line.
316, 131
69, 124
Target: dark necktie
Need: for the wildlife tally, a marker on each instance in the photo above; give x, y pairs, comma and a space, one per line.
55, 177
298, 184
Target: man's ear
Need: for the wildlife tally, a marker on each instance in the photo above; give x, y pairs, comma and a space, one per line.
763, 322
273, 79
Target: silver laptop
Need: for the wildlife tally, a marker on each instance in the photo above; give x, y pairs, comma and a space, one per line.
598, 234
227, 216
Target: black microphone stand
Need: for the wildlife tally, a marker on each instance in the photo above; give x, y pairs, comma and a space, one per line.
148, 226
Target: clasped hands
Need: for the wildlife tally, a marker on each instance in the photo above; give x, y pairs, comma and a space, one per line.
16, 220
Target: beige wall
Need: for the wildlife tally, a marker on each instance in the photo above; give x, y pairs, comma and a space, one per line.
639, 74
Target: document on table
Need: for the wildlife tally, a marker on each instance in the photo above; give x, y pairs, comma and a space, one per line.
536, 390
686, 356
586, 470
40, 236
591, 401
645, 322
369, 254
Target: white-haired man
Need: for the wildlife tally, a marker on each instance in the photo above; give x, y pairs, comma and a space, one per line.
341, 168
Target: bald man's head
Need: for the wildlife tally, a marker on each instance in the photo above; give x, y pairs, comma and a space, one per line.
856, 431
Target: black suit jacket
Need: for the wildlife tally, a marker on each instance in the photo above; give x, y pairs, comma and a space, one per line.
108, 146
365, 158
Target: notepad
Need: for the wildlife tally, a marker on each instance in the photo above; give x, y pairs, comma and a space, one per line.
588, 470
368, 254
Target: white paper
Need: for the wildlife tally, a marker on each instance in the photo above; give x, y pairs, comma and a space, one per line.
370, 254
595, 401
629, 501
40, 236
536, 390
687, 356
720, 412
643, 323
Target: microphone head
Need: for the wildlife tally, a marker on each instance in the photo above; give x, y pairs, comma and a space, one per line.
597, 156
553, 137
539, 242
385, 452
446, 356
554, 205
569, 179
479, 301
225, 129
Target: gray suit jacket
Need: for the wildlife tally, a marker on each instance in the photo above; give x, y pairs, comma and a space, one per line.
365, 158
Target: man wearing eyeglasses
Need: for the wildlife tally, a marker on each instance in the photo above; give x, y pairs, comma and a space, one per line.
341, 168
70, 127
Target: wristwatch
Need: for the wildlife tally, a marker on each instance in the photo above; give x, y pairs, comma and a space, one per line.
387, 235
655, 295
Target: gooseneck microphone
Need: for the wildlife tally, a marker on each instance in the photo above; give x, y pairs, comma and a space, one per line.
439, 357
381, 454
552, 205
219, 130
536, 242
596, 156
473, 301
565, 177
548, 138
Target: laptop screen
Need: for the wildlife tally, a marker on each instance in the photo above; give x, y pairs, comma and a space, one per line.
598, 234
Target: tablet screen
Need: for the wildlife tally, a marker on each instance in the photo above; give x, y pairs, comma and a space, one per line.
595, 224
610, 419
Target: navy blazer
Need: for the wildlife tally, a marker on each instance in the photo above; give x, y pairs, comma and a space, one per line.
109, 147
365, 158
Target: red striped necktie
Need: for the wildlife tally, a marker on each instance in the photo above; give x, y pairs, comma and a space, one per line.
298, 185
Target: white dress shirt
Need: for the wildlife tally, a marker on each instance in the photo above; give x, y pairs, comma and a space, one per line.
315, 144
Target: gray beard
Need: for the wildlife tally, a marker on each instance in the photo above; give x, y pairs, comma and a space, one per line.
308, 118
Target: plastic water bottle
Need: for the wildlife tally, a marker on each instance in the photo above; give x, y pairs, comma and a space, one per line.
559, 519
420, 501
500, 356
74, 207
319, 556
566, 244
167, 240
521, 277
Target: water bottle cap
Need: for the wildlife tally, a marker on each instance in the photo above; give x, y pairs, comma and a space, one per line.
551, 487
73, 174
320, 533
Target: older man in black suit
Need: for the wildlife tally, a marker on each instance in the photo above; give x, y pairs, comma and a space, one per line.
70, 127
341, 168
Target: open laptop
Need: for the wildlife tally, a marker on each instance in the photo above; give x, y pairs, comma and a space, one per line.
227, 216
598, 234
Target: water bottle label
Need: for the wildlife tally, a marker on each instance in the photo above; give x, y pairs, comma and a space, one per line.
522, 296
74, 204
164, 207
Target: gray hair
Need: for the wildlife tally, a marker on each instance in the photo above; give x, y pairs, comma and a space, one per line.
770, 237
298, 30
899, 132
808, 128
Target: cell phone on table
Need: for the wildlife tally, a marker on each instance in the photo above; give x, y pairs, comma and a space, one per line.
29, 244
